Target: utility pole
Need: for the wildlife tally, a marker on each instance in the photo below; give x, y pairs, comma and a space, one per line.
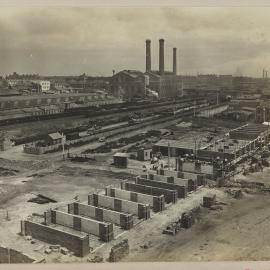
169, 155
63, 145
195, 150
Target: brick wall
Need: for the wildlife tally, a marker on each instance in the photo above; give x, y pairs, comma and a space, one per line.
78, 245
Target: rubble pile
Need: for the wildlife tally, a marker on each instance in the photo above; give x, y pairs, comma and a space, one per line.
235, 193
209, 201
119, 251
186, 221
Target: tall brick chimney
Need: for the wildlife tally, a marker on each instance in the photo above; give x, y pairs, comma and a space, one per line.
148, 55
161, 56
174, 61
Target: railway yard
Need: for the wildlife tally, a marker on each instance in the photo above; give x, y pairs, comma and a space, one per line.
112, 190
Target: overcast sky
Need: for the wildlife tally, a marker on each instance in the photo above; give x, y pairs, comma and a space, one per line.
66, 41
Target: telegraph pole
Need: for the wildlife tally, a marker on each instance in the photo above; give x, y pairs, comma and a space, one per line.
169, 155
63, 145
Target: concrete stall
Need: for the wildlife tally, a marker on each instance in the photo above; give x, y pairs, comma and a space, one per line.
76, 242
181, 190
156, 202
98, 228
134, 208
170, 196
186, 175
188, 183
125, 221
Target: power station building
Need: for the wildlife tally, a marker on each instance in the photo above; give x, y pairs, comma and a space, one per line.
131, 84
165, 83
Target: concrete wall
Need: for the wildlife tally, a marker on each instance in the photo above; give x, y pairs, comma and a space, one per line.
101, 214
170, 173
181, 190
141, 210
158, 177
98, 228
170, 196
77, 244
194, 167
178, 174
188, 183
9, 255
156, 202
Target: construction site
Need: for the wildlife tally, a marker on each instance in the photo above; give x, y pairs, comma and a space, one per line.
166, 192
117, 179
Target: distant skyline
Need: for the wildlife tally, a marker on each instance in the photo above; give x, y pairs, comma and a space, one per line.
95, 41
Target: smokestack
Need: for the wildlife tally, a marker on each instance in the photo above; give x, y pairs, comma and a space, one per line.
148, 55
174, 62
161, 56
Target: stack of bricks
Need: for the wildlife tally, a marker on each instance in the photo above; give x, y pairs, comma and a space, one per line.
119, 251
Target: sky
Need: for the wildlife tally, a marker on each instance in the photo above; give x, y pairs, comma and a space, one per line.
97, 40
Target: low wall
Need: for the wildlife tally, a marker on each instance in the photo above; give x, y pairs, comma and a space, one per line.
98, 228
170, 196
181, 190
141, 210
170, 173
77, 244
188, 183
102, 214
156, 202
9, 255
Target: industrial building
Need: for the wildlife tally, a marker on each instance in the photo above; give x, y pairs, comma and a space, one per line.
232, 146
165, 83
132, 84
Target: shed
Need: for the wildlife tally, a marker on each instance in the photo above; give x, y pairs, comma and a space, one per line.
120, 160
144, 154
5, 144
54, 138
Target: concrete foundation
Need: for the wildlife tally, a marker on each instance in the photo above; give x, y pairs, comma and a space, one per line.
156, 202
170, 196
119, 205
101, 229
125, 221
73, 242
181, 190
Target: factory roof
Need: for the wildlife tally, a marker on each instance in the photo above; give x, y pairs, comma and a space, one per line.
227, 145
55, 136
157, 73
251, 128
30, 97
121, 155
131, 73
175, 144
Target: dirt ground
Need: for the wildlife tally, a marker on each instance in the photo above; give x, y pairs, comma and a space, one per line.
240, 231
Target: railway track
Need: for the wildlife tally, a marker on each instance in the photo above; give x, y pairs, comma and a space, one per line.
113, 132
94, 112
109, 117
